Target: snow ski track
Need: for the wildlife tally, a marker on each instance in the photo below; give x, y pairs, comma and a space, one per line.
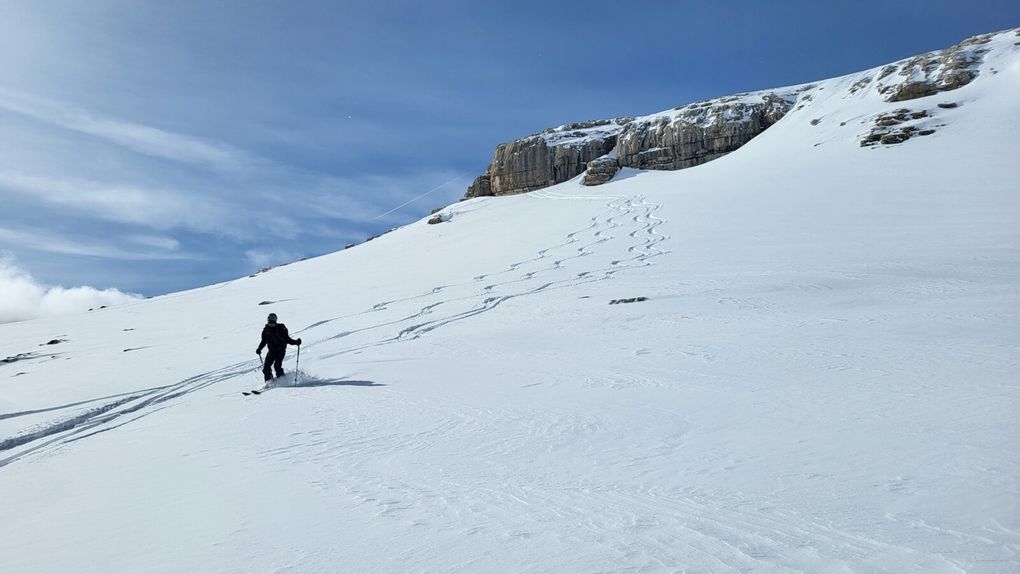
642, 229
78, 426
606, 525
531, 280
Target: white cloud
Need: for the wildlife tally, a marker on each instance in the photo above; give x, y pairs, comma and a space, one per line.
136, 137
54, 244
23, 298
229, 200
82, 199
157, 208
162, 242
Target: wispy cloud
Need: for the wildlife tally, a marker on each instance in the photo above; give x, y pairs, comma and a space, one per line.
50, 243
23, 298
157, 208
137, 137
237, 206
262, 258
161, 242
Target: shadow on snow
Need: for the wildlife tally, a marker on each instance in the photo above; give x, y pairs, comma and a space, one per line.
305, 380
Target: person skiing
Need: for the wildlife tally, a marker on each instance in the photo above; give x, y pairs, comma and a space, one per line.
276, 337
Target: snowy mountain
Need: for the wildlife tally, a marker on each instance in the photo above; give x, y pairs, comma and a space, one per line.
699, 132
799, 357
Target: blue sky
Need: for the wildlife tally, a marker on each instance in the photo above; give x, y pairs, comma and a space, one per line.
157, 146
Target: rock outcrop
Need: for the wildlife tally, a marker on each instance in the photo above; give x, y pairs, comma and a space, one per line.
935, 72
700, 132
680, 138
600, 170
547, 158
481, 187
896, 127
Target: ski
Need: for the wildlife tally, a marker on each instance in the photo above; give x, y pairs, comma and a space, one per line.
252, 392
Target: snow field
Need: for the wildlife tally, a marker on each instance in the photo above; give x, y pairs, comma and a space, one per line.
822, 379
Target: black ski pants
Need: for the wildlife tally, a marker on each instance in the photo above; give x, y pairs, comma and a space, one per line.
274, 360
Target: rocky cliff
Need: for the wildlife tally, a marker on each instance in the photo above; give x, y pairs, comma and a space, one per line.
682, 137
547, 158
696, 133
699, 132
932, 73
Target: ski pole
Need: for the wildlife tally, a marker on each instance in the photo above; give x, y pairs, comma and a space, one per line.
297, 362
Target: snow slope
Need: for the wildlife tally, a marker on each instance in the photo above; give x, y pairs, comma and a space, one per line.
822, 379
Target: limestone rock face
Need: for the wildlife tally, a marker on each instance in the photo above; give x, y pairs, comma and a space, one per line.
699, 132
481, 187
702, 131
680, 138
935, 72
600, 170
898, 126
530, 164
912, 91
547, 158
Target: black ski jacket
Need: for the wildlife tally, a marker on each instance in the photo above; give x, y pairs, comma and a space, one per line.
276, 337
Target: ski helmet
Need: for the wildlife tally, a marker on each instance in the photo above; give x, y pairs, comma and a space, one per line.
271, 318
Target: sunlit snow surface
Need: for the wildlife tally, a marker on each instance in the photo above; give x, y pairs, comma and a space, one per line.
824, 378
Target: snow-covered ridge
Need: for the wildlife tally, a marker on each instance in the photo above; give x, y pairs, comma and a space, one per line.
726, 109
934, 72
909, 78
579, 133
693, 134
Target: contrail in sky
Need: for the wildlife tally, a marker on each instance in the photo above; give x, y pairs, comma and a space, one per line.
434, 189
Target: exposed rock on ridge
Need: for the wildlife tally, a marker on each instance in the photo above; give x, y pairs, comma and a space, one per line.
897, 126
935, 72
600, 170
683, 137
480, 187
700, 132
547, 158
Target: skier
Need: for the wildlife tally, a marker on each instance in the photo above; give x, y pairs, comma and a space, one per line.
276, 337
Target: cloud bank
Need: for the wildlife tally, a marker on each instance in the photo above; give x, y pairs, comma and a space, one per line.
23, 298
126, 194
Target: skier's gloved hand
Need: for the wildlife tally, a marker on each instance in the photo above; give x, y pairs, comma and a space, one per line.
299, 342
259, 353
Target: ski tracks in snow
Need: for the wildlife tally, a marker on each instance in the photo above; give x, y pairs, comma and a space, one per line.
450, 481
116, 411
630, 219
624, 219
